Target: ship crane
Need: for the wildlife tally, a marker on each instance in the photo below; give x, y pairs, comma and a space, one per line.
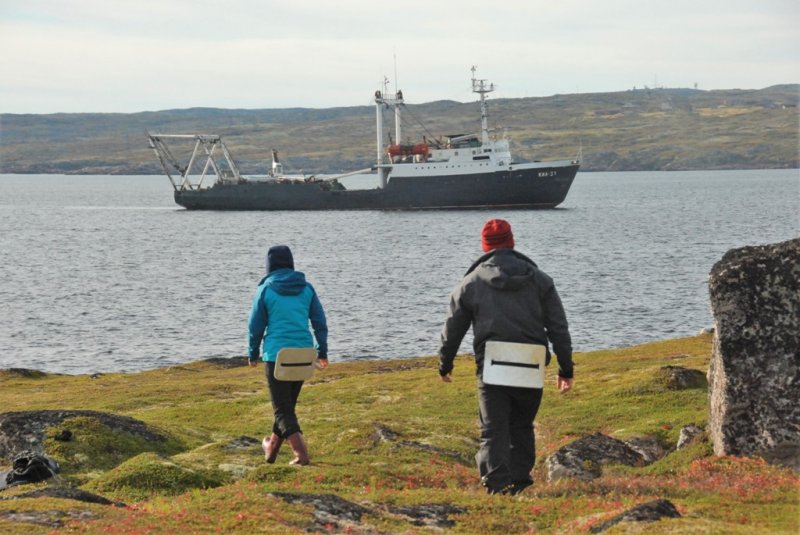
206, 145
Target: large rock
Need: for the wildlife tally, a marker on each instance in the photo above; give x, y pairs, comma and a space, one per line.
645, 512
66, 493
646, 446
583, 459
25, 430
754, 387
680, 378
687, 435
330, 510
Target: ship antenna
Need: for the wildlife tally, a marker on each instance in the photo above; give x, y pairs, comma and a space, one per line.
482, 88
395, 74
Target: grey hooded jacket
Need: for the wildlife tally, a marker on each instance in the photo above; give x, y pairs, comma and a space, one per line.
507, 298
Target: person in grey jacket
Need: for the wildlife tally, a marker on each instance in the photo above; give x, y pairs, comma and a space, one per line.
505, 297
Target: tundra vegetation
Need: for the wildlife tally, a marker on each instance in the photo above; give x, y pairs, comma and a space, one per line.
392, 452
636, 130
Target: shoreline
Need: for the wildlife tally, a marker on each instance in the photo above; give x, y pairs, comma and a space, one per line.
126, 173
241, 361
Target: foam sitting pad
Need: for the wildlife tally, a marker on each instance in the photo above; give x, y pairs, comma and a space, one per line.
511, 364
295, 363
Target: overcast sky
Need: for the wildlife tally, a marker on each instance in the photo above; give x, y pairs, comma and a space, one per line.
139, 55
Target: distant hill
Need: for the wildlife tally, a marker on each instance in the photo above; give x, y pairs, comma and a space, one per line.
645, 129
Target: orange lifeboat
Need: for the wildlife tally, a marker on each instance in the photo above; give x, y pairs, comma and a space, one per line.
421, 149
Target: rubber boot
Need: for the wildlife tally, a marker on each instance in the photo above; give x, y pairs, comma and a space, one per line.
299, 449
271, 447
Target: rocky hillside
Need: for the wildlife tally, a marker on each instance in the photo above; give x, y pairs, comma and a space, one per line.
645, 129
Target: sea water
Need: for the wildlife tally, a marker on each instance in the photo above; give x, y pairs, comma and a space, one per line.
106, 273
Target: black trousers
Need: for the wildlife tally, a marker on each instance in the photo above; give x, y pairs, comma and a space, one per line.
283, 396
507, 447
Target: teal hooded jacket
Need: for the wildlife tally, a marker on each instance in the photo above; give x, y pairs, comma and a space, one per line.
283, 305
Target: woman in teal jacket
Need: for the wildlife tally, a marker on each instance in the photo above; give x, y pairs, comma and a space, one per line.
282, 307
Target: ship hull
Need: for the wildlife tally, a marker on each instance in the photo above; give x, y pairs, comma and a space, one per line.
541, 186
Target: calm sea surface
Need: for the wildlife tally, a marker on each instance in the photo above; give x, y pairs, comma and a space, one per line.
102, 273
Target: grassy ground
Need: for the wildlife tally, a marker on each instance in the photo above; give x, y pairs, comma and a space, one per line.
391, 439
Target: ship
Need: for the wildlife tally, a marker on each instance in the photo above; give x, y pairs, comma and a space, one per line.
463, 171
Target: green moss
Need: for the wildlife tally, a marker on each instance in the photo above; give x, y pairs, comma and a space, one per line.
148, 474
93, 447
681, 459
272, 474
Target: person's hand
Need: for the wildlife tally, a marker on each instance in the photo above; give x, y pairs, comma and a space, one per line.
252, 363
563, 384
448, 378
322, 363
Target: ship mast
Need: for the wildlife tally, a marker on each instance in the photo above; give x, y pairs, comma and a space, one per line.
380, 101
379, 142
482, 88
398, 119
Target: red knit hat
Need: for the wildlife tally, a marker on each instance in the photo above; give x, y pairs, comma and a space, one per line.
496, 234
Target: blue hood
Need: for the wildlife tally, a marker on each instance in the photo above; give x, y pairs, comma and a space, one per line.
286, 281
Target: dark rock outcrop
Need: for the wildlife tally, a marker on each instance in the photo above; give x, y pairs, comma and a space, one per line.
332, 511
584, 458
227, 363
25, 430
688, 435
648, 447
645, 512
435, 515
680, 378
26, 373
242, 443
754, 376
329, 509
385, 434
52, 518
66, 493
